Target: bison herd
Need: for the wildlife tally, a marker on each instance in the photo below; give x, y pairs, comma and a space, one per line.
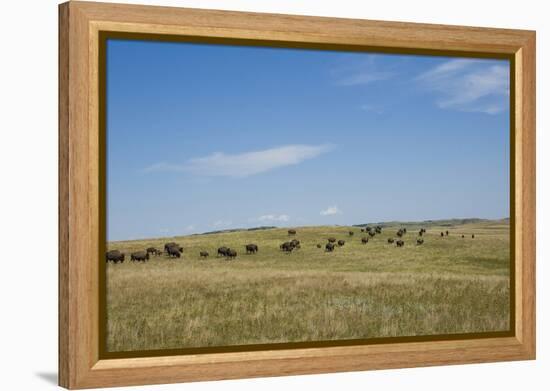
174, 250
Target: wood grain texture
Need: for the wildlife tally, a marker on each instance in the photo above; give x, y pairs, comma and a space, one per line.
79, 203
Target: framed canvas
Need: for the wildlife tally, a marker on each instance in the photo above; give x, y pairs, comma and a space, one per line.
246, 195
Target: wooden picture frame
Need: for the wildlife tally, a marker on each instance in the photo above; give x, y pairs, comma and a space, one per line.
81, 162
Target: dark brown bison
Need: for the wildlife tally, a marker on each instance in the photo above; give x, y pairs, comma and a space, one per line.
400, 233
231, 254
251, 248
404, 230
152, 250
462, 236
222, 251
350, 233
330, 246
390, 240
319, 245
368, 229
341, 242
446, 233
400, 243
420, 233
204, 254
140, 256
419, 241
442, 234
114, 256
362, 229
332, 240
172, 244
473, 236
372, 234
292, 232
173, 252
287, 247
364, 240
378, 229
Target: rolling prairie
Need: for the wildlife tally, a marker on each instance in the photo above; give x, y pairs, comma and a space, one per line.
447, 285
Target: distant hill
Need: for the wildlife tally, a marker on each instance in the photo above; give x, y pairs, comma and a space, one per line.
237, 230
428, 223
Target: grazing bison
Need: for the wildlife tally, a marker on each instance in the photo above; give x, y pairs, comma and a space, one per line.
442, 234
222, 251
330, 247
350, 233
362, 229
251, 248
364, 240
172, 244
400, 233
114, 256
419, 241
173, 252
204, 254
152, 250
420, 233
400, 243
368, 229
372, 234
295, 242
231, 254
292, 232
140, 256
331, 240
390, 240
473, 236
287, 247
341, 242
319, 245
378, 229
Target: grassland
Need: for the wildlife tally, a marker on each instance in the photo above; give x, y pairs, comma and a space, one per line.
445, 286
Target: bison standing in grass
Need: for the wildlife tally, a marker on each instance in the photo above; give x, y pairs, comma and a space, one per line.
287, 247
378, 229
319, 245
330, 247
152, 250
222, 251
140, 256
173, 252
364, 240
251, 248
341, 242
331, 240
372, 234
419, 241
114, 256
400, 243
350, 233
473, 236
204, 254
292, 232
173, 244
390, 240
231, 254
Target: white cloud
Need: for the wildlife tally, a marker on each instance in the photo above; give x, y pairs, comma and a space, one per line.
360, 73
469, 85
331, 210
281, 218
221, 223
246, 164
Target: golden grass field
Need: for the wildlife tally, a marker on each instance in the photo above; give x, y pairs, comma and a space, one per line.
445, 286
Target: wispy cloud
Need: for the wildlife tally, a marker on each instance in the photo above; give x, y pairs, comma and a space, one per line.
189, 228
274, 218
331, 210
245, 164
469, 85
361, 72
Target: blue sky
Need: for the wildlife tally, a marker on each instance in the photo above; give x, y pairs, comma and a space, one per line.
207, 137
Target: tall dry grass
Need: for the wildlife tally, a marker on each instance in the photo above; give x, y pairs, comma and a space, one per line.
448, 285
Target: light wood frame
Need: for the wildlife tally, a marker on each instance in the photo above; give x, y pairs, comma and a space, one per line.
80, 163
